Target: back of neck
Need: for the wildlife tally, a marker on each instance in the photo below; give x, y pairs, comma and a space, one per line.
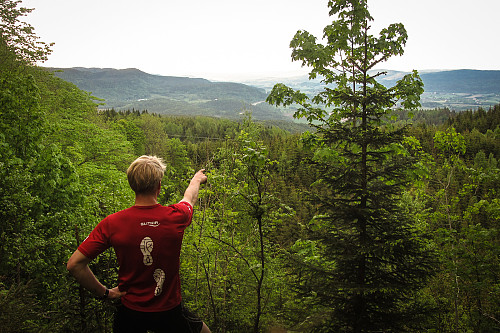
145, 200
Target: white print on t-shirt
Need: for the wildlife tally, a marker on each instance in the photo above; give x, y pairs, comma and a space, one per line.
150, 224
146, 249
159, 276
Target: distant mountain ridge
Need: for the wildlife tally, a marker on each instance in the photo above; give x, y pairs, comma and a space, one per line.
455, 81
464, 89
444, 81
134, 89
454, 89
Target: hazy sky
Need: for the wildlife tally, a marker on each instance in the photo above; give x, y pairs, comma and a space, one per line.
241, 39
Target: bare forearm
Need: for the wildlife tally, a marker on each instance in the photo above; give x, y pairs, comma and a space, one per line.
78, 267
191, 193
87, 279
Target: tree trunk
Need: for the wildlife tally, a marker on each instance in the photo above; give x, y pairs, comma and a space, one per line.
260, 281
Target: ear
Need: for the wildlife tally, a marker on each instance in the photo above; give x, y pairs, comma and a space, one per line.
158, 189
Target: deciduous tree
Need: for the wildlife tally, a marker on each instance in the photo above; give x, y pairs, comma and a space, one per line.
377, 259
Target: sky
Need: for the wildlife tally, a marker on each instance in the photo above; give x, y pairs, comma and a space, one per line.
239, 40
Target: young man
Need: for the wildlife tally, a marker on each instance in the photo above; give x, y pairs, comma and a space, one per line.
147, 239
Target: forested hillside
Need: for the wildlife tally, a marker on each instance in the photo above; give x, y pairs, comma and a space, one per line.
133, 89
387, 222
457, 90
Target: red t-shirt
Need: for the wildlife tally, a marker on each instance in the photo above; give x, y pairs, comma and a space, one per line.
147, 241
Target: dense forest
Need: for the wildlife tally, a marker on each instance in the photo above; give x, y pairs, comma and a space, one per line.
375, 217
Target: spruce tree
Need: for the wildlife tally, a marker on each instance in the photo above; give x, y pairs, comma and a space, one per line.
373, 259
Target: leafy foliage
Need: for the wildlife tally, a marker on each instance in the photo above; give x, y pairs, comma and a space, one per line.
378, 259
18, 42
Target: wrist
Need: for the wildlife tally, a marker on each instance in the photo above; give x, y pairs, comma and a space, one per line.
105, 295
195, 180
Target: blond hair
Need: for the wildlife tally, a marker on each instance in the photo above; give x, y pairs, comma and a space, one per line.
145, 174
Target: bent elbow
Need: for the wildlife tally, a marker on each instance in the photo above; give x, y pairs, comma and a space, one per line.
76, 261
70, 265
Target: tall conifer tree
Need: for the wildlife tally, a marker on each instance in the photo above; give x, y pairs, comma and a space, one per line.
379, 260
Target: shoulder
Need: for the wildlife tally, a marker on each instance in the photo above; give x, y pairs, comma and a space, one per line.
118, 215
183, 206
